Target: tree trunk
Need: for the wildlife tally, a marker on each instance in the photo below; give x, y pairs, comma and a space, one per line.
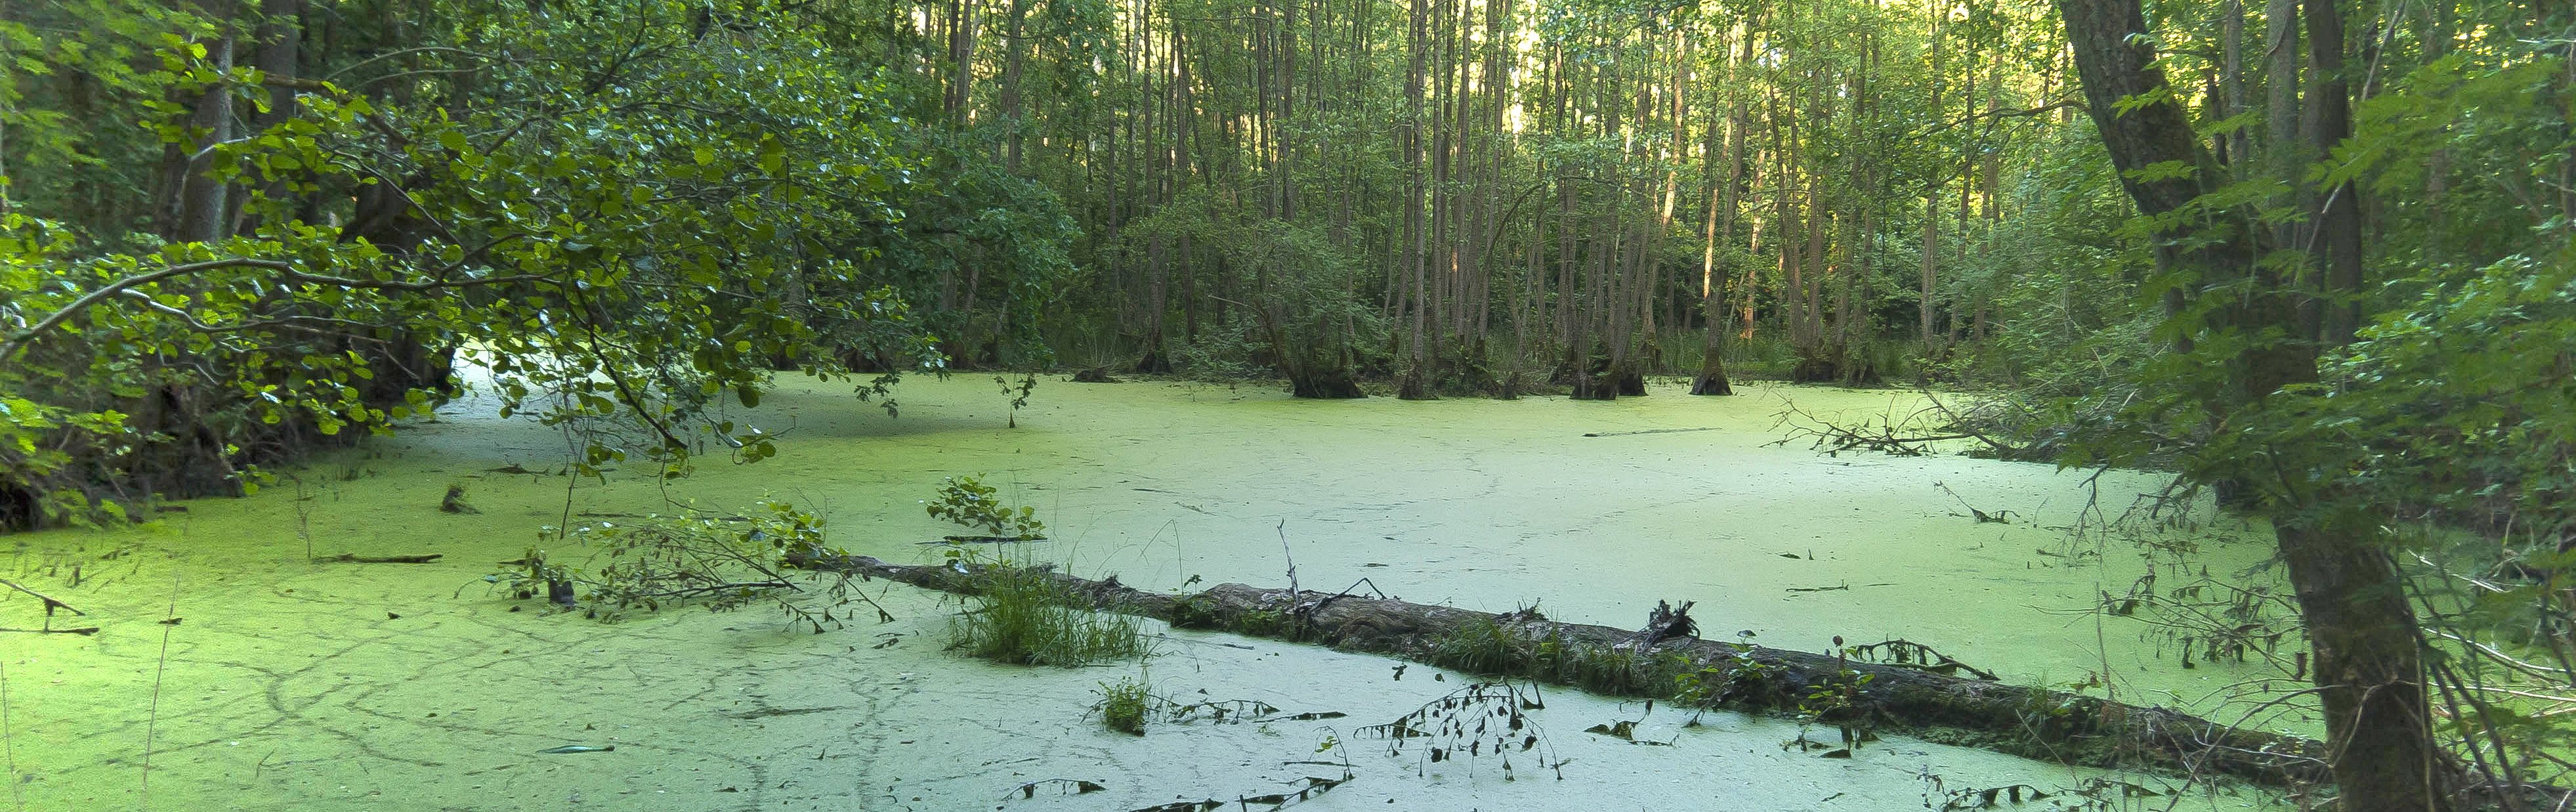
1014, 60
1711, 379
2231, 78
2338, 211
1931, 269
2281, 103
1931, 221
961, 60
2368, 668
1416, 236
195, 208
2381, 752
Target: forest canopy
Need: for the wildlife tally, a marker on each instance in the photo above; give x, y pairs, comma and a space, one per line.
235, 227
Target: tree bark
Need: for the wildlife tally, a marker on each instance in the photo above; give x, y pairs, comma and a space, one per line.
1711, 379
1931, 221
2338, 210
1416, 235
961, 60
1014, 61
2368, 669
2281, 102
195, 208
2381, 752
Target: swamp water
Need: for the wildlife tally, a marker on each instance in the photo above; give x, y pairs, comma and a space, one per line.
291, 684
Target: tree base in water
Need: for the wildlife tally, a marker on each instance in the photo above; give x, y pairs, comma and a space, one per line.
1336, 384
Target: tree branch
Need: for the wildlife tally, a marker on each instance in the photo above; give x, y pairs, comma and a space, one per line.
19, 341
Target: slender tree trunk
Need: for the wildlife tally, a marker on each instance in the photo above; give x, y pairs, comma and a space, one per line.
195, 207
1014, 62
1720, 227
1931, 222
961, 59
280, 37
1766, 179
2338, 211
2231, 79
2281, 104
1418, 47
2437, 167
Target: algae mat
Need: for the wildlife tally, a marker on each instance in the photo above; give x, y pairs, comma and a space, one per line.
294, 685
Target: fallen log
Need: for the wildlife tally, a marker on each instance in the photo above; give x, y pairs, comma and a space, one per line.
1927, 703
354, 558
985, 539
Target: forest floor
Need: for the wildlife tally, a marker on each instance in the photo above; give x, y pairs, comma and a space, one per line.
402, 686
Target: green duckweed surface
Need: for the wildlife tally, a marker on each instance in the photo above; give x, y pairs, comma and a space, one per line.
292, 684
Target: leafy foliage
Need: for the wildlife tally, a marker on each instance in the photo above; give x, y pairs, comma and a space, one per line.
1122, 705
969, 502
611, 212
723, 563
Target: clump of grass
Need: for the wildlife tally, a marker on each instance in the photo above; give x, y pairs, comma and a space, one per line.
1024, 617
1196, 612
1485, 648
1122, 705
1482, 647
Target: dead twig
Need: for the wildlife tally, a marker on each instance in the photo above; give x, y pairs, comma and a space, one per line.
51, 603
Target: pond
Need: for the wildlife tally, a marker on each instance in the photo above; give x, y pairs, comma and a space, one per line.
286, 682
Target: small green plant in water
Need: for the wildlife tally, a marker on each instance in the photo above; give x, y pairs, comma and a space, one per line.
1122, 705
1747, 679
969, 502
1018, 392
1026, 617
1841, 701
1195, 612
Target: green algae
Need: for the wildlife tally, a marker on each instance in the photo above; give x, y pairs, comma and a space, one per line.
292, 683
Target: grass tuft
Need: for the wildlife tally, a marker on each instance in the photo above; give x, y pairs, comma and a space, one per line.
1026, 618
1122, 706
